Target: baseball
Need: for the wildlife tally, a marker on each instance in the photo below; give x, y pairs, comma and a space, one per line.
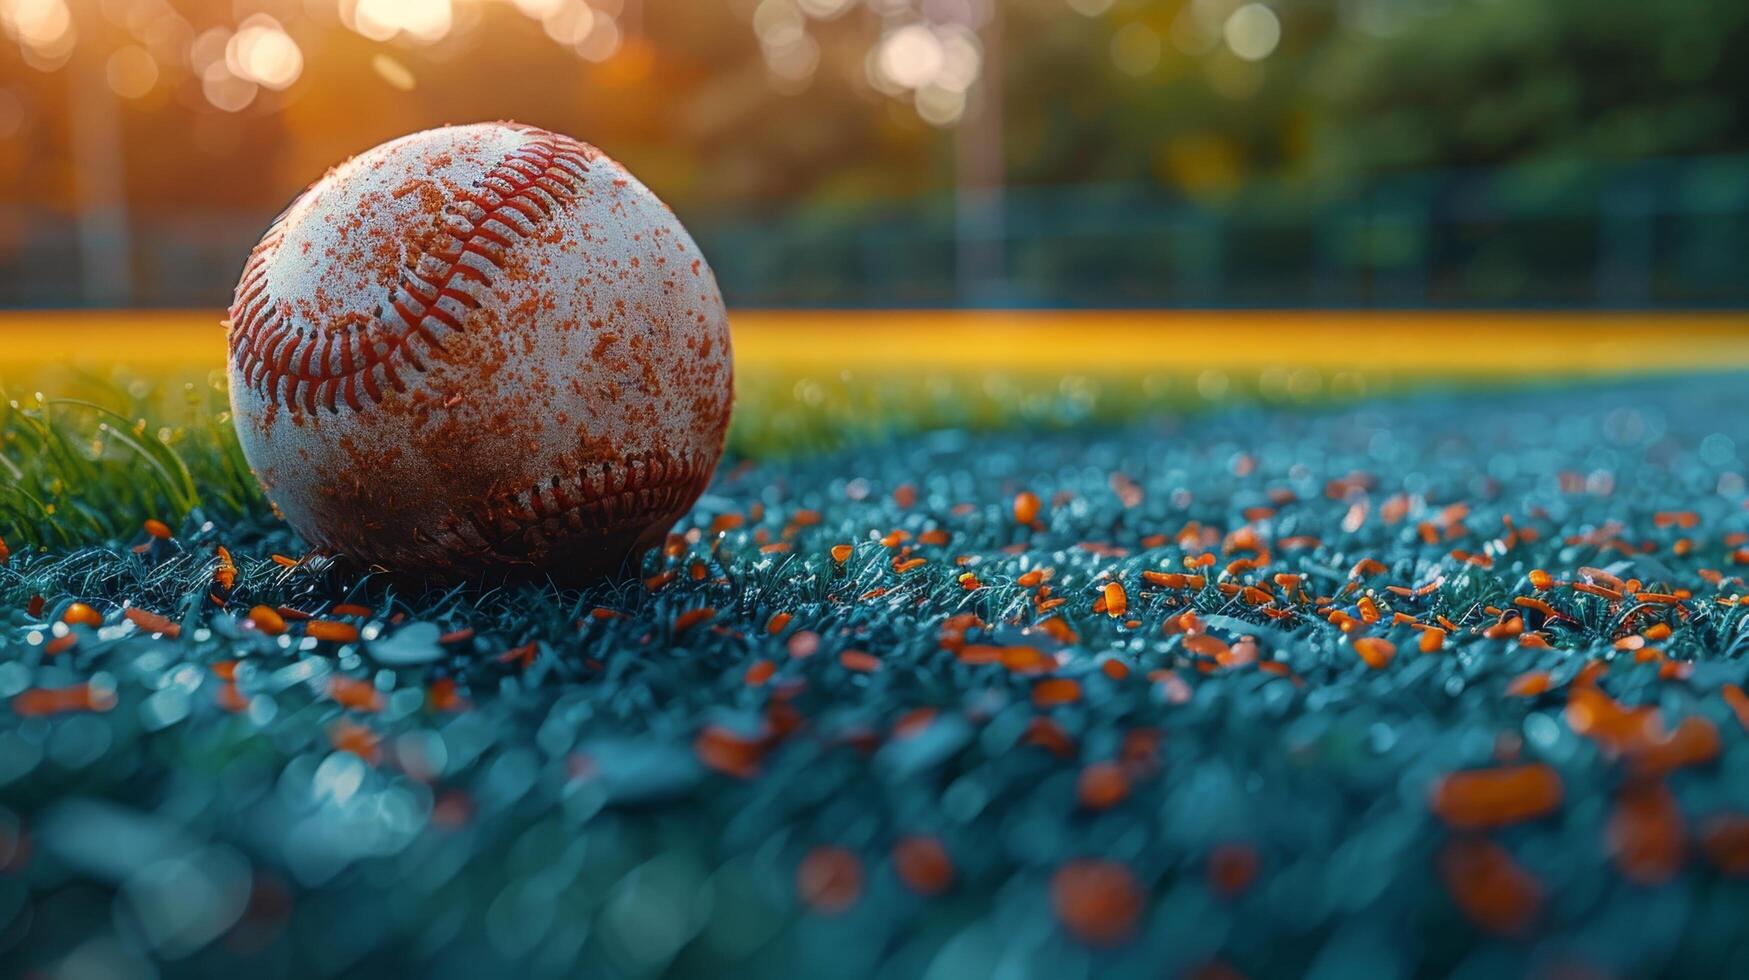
480, 349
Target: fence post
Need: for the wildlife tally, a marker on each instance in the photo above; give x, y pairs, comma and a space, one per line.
1623, 277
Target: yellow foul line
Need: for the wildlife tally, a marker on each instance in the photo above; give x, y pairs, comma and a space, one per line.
1481, 344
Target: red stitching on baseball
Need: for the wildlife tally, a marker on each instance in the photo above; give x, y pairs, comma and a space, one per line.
605, 498
306, 367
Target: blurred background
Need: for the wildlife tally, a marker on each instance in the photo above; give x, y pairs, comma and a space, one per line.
977, 153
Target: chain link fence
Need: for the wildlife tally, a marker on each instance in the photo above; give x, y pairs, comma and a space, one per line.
1669, 233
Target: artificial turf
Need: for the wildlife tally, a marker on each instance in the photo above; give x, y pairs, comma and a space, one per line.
1420, 685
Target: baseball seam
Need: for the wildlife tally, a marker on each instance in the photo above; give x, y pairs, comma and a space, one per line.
598, 499
306, 368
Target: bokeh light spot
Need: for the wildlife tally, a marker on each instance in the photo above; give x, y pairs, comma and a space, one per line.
1135, 49
131, 71
1090, 8
911, 56
262, 52
396, 74
1252, 32
226, 91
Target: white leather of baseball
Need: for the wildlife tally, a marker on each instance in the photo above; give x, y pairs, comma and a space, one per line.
480, 348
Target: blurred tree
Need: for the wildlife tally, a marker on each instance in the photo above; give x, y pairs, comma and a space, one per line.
848, 116
1475, 82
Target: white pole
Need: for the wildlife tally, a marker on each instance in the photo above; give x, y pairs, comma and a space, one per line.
979, 175
99, 172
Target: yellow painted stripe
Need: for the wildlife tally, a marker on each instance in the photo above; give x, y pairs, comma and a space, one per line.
1479, 345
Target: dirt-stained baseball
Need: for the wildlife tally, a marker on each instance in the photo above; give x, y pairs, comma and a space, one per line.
481, 348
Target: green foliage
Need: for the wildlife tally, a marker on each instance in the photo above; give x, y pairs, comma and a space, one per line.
1476, 82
